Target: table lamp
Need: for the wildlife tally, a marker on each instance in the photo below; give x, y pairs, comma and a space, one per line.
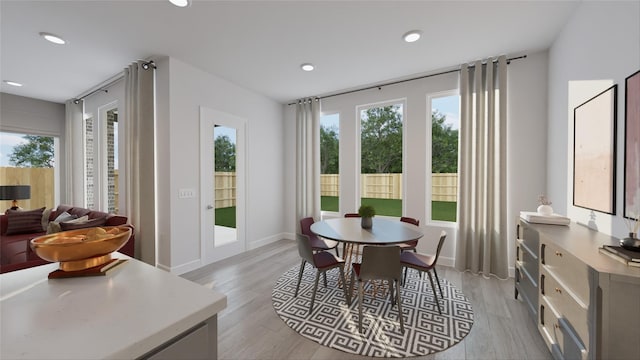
15, 193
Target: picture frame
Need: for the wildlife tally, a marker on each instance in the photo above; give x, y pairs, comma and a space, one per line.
594, 152
631, 209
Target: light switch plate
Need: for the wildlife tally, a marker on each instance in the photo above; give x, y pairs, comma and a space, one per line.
186, 193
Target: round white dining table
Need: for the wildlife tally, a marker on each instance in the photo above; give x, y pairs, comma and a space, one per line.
350, 232
383, 231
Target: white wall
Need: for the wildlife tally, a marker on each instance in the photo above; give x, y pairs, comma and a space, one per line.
181, 90
599, 47
526, 146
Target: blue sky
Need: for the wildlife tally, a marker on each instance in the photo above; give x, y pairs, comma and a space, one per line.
223, 130
7, 142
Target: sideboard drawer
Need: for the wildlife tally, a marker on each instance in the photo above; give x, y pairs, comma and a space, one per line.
527, 258
560, 335
565, 304
573, 273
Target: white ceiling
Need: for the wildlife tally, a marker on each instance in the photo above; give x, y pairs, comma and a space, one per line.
260, 44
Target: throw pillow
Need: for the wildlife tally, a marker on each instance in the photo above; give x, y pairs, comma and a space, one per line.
45, 218
53, 227
65, 216
20, 222
75, 224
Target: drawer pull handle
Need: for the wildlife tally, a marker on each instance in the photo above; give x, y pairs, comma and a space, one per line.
559, 291
558, 253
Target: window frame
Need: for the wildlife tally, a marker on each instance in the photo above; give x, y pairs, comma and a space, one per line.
358, 152
324, 213
429, 159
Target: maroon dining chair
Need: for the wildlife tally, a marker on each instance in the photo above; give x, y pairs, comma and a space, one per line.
317, 244
409, 245
322, 261
351, 215
424, 263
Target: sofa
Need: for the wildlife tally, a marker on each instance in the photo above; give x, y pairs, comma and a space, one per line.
18, 228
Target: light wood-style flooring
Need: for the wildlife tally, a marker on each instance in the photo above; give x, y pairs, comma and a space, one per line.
250, 329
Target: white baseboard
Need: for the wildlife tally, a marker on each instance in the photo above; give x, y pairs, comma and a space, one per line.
265, 241
446, 261
183, 268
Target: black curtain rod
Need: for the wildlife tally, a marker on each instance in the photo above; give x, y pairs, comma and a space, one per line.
379, 87
145, 65
77, 101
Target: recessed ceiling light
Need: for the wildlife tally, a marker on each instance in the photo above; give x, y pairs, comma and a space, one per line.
12, 83
307, 67
180, 3
53, 38
412, 36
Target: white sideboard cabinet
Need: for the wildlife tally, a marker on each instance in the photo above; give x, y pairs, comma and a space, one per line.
586, 304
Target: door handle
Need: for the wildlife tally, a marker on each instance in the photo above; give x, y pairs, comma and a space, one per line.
209, 207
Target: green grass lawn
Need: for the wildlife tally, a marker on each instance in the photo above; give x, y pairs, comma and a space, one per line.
226, 217
440, 210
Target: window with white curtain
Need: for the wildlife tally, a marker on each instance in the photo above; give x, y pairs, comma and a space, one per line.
381, 159
445, 125
330, 162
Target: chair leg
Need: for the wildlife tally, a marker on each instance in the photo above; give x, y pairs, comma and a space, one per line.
399, 301
353, 274
315, 289
300, 277
391, 293
337, 253
438, 281
435, 295
347, 294
360, 294
324, 274
404, 277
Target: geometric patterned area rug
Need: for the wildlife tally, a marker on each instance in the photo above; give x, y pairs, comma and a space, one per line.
334, 324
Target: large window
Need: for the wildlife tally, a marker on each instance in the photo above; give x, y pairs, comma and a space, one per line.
101, 159
381, 144
445, 125
329, 162
27, 159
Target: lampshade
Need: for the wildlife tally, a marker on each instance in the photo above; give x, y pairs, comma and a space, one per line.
15, 192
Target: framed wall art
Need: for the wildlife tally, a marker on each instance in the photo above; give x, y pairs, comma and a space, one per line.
632, 147
594, 152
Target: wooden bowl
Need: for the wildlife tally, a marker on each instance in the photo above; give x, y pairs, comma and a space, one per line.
82, 248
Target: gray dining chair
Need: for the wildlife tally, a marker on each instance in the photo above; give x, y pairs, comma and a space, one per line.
322, 261
425, 263
379, 263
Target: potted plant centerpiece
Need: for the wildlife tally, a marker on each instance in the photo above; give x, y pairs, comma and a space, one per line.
366, 212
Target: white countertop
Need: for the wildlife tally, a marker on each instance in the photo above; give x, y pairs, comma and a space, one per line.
119, 316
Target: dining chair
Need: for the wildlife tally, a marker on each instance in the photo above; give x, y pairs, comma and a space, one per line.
409, 245
379, 263
317, 244
322, 261
424, 263
351, 215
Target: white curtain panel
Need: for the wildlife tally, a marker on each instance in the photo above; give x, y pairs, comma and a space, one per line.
139, 117
307, 159
73, 157
482, 206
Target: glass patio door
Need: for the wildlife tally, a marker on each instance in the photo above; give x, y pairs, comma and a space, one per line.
222, 138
